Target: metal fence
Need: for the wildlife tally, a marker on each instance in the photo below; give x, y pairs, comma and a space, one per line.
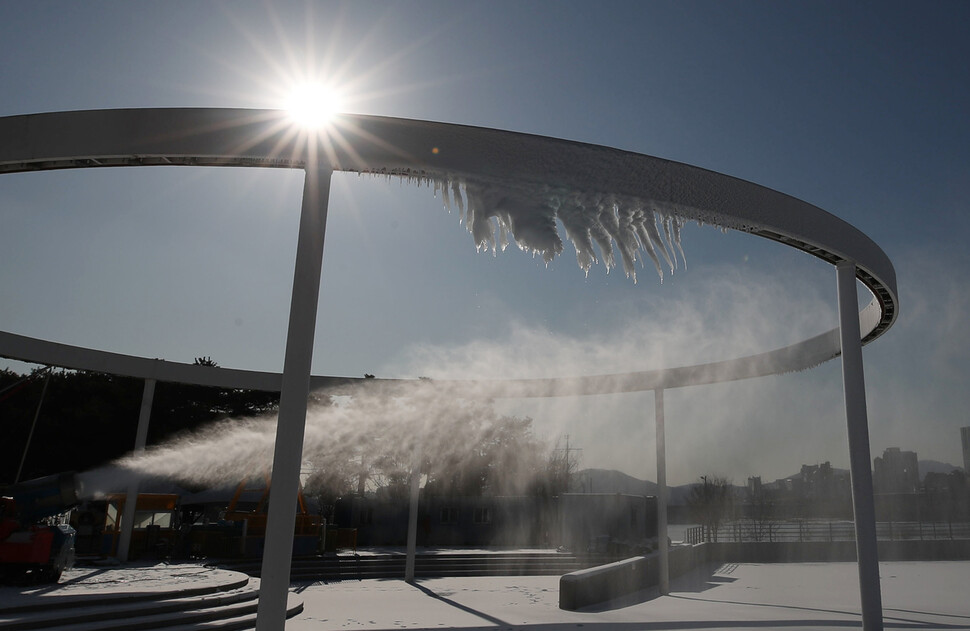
814, 530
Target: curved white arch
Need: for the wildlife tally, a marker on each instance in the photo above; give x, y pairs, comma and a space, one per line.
443, 152
421, 149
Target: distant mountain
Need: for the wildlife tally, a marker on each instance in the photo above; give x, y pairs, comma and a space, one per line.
935, 466
612, 481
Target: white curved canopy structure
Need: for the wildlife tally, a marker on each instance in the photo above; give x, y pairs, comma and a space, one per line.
443, 153
510, 177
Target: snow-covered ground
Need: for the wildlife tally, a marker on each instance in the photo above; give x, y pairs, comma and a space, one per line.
116, 583
923, 595
916, 595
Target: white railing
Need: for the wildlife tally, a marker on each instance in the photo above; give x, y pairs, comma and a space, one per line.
819, 530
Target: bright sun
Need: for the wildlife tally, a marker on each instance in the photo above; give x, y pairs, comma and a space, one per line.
312, 105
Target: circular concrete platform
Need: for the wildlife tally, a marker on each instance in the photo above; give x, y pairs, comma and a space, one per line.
121, 597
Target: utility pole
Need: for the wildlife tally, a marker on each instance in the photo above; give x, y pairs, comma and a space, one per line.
30, 436
566, 461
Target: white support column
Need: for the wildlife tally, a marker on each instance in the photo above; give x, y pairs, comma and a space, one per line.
854, 387
295, 389
413, 518
131, 499
663, 571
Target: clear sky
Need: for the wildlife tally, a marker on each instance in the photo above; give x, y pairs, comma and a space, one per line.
859, 108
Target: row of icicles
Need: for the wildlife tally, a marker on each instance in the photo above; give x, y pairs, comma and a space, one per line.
497, 214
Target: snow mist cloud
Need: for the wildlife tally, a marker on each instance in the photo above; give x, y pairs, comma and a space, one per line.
766, 426
423, 424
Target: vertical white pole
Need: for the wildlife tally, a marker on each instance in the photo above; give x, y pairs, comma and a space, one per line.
663, 571
131, 499
413, 518
295, 389
854, 387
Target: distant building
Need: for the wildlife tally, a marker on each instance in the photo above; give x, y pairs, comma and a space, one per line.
754, 486
817, 490
965, 441
822, 482
896, 472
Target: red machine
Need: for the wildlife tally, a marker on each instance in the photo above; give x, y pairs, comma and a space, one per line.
31, 547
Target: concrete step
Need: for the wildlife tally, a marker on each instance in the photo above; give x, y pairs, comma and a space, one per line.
226, 603
345, 567
160, 621
100, 611
235, 615
76, 601
247, 621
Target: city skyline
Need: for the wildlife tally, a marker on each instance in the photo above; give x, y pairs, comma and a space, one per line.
934, 466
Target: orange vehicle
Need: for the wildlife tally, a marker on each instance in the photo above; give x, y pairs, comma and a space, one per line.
311, 534
307, 524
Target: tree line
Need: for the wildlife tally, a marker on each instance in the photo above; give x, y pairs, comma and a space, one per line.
87, 419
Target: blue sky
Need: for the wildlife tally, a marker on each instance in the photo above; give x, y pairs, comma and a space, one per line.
859, 108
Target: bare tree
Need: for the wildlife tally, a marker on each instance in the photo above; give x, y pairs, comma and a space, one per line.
561, 467
763, 518
710, 503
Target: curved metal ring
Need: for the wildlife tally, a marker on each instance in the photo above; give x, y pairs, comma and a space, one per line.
430, 150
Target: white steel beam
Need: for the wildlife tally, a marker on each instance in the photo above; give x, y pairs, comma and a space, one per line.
854, 387
663, 570
131, 499
287, 457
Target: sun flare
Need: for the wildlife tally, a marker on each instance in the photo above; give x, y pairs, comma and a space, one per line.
312, 105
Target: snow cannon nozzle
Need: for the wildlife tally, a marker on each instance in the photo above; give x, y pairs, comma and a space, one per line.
43, 497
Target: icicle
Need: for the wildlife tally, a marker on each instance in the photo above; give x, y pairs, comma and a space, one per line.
436, 190
498, 214
626, 239
599, 233
503, 236
456, 193
576, 220
647, 244
651, 227
676, 224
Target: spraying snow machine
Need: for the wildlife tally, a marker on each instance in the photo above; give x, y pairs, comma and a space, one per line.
35, 548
